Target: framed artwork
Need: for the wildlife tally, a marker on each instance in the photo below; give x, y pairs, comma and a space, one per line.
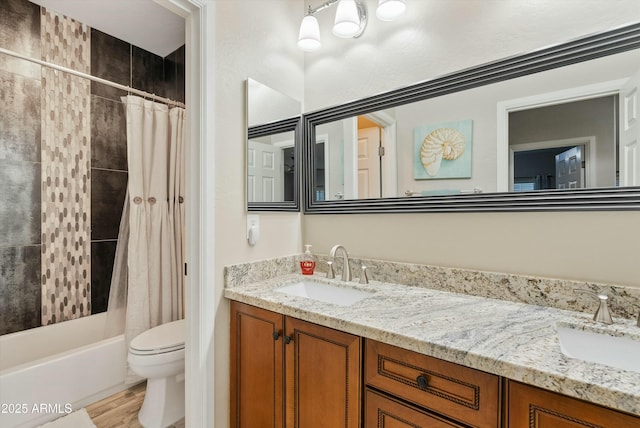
443, 150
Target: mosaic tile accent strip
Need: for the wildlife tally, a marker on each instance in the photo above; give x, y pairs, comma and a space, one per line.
66, 171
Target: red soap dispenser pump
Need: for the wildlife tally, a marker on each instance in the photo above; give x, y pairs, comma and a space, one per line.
307, 262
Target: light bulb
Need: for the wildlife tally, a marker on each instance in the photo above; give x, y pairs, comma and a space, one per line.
388, 10
347, 22
309, 36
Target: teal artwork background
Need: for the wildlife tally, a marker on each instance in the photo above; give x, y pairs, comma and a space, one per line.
457, 168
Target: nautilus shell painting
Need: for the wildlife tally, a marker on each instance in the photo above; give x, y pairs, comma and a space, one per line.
443, 143
443, 151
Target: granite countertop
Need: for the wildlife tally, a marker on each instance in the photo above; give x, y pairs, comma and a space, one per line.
515, 340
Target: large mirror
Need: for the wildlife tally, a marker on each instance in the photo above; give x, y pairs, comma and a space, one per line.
273, 133
555, 129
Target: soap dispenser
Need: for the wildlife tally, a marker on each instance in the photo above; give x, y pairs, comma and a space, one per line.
307, 262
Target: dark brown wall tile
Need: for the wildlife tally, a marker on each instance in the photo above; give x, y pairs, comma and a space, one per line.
107, 199
108, 134
20, 32
174, 74
147, 71
20, 295
20, 219
110, 60
102, 258
19, 117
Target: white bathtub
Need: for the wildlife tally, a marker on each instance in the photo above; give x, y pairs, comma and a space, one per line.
48, 371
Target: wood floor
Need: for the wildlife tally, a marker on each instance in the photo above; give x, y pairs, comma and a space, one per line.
121, 410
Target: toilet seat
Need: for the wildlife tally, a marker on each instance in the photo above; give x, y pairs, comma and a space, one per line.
165, 338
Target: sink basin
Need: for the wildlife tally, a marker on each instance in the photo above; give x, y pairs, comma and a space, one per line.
327, 293
600, 347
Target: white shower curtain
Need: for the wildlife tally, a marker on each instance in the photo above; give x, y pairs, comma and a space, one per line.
155, 215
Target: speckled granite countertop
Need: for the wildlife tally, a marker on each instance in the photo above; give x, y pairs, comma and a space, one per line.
514, 340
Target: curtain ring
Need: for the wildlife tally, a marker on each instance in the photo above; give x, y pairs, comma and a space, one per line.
180, 199
152, 200
137, 200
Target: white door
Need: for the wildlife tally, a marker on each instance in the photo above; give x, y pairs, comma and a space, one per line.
629, 152
569, 169
264, 175
368, 163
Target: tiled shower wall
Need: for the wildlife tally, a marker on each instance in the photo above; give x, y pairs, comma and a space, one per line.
63, 166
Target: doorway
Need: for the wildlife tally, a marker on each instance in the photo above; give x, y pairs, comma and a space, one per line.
537, 165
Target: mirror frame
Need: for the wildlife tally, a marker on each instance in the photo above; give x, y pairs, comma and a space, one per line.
579, 50
280, 126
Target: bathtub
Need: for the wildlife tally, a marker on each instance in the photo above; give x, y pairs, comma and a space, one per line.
49, 371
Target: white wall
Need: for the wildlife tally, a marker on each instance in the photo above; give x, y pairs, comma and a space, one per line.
435, 37
438, 37
257, 39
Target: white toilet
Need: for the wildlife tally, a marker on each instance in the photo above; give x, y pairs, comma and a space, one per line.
158, 355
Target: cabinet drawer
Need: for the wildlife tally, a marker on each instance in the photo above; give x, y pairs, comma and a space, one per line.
467, 395
384, 412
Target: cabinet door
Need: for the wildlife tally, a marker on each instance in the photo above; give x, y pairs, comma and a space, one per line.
256, 367
384, 412
531, 407
323, 377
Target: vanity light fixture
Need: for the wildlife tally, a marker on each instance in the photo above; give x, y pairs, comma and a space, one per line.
350, 20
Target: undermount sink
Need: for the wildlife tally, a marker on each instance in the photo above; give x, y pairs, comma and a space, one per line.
327, 293
599, 347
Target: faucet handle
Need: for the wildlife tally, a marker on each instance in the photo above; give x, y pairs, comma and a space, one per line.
363, 276
602, 314
330, 273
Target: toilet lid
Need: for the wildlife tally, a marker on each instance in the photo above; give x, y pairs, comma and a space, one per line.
163, 338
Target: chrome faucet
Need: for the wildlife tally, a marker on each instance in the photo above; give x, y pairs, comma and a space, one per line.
346, 270
602, 313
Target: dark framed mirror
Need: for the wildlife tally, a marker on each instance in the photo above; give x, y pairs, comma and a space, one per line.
465, 141
273, 145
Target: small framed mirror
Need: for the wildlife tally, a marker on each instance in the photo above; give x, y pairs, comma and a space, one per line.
273, 135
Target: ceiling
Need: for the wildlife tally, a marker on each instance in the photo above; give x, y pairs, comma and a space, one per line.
143, 23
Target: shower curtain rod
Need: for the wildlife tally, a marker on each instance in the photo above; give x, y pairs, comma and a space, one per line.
95, 79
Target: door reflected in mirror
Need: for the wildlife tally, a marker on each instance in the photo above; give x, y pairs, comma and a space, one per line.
565, 146
355, 158
271, 168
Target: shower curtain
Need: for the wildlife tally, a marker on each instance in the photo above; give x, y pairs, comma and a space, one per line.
148, 290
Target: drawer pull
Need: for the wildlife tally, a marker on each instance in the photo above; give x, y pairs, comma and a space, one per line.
287, 340
423, 383
276, 335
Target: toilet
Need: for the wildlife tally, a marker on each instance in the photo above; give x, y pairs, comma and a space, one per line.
158, 355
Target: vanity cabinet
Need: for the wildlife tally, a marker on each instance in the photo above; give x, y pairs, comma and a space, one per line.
286, 372
438, 392
530, 407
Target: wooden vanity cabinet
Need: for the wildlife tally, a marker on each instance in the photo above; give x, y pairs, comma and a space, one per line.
439, 388
286, 372
531, 407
